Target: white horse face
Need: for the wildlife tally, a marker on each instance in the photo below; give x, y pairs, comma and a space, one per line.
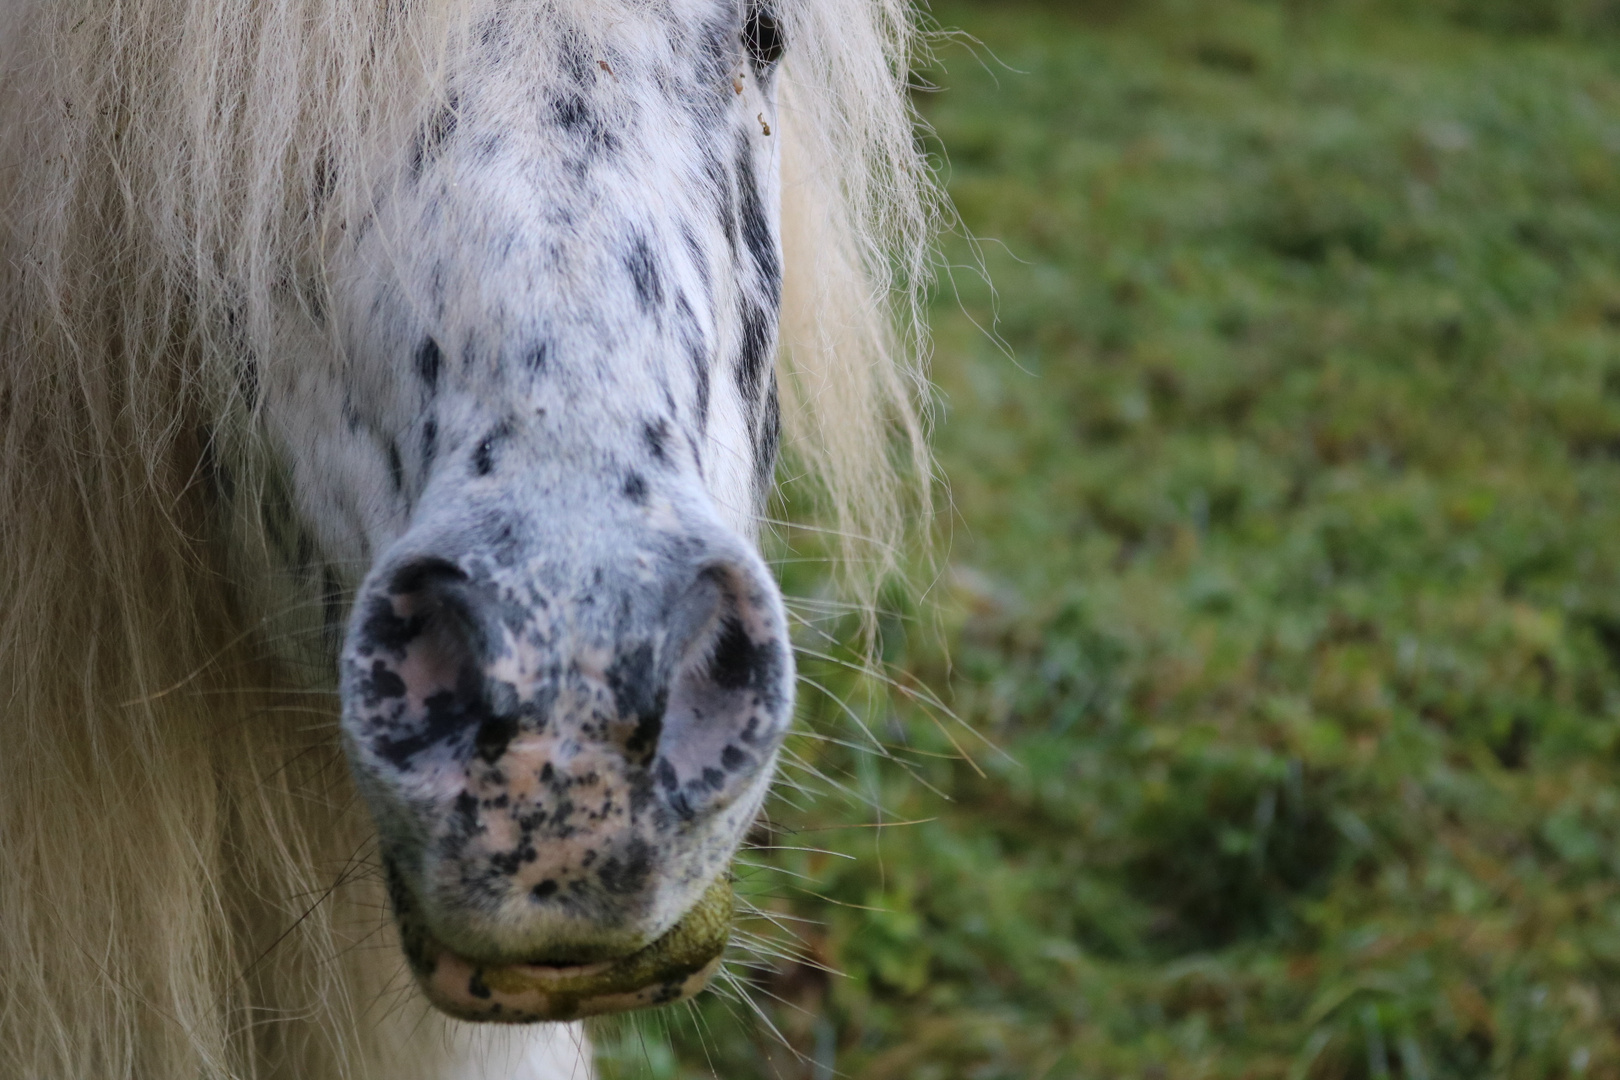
567, 673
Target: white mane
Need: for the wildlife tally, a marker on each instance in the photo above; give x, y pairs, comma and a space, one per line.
187, 886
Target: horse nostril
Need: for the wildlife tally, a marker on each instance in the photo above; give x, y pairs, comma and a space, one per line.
425, 575
737, 660
420, 666
730, 694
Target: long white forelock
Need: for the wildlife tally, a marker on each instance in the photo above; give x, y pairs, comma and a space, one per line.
172, 177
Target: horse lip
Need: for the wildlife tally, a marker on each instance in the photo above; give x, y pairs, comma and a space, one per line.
677, 965
560, 972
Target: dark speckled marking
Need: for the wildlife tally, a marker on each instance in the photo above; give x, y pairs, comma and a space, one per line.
429, 359
635, 489
656, 435
725, 200
641, 693
446, 717
575, 57
758, 332
700, 376
484, 457
379, 685
644, 273
430, 443
756, 227
385, 630
629, 874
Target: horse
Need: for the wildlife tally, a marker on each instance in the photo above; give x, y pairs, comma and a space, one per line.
392, 393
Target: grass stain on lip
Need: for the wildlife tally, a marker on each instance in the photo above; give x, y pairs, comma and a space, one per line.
675, 966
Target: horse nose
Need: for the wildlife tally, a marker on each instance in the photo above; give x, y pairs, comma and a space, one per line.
687, 680
425, 639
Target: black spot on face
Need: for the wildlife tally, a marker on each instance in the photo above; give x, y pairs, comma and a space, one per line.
574, 57
380, 684
572, 112
484, 453
756, 226
448, 716
641, 692
575, 116
700, 378
351, 415
429, 359
714, 171
758, 332
622, 877
656, 436
643, 269
385, 630
699, 257
635, 489
430, 443
544, 890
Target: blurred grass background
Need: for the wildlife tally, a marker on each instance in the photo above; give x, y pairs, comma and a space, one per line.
1281, 600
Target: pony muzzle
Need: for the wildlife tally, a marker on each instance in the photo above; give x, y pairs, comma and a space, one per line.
560, 777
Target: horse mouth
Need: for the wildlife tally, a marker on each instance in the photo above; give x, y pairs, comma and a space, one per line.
675, 966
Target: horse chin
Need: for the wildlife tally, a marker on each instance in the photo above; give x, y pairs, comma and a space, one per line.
676, 965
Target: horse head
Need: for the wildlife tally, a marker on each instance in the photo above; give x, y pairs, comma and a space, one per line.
553, 422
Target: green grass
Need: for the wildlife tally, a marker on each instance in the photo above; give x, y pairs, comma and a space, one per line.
1283, 576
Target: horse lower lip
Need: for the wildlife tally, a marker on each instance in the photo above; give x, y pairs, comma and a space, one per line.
676, 966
